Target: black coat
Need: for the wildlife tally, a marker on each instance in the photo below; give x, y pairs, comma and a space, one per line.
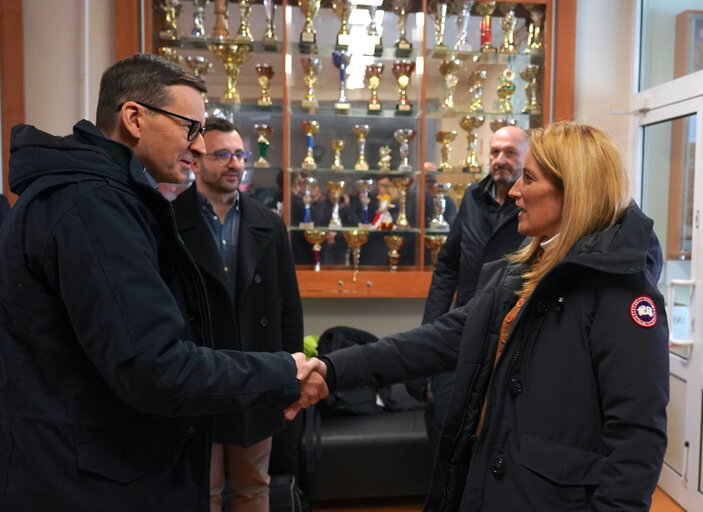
576, 416
265, 314
102, 399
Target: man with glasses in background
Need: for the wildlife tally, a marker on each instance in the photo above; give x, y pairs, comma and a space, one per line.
242, 251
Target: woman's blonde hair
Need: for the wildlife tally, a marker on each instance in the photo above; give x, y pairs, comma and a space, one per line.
586, 165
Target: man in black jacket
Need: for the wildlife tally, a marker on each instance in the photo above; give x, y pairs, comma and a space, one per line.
242, 251
485, 230
107, 373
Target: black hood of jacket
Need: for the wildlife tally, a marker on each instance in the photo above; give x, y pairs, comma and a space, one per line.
35, 154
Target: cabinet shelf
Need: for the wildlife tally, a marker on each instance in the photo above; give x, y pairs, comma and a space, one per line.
370, 284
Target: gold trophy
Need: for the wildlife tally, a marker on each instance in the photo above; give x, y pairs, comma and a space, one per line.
500, 122
335, 189
438, 8
404, 136
372, 31
463, 16
310, 128
244, 33
364, 187
171, 54
439, 201
535, 43
361, 131
402, 45
337, 147
505, 91
373, 82
342, 9
445, 138
341, 59
310, 185
312, 67
471, 124
200, 67
355, 239
402, 184
221, 28
233, 56
310, 9
476, 90
316, 237
384, 158
485, 9
263, 131
199, 19
434, 243
269, 39
449, 69
172, 9
460, 189
265, 72
529, 75
394, 243
402, 69
509, 24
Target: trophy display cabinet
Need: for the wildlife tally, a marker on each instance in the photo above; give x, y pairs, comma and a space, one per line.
368, 119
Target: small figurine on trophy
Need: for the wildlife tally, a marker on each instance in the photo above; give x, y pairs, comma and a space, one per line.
437, 9
361, 131
310, 128
342, 9
471, 124
335, 188
404, 136
439, 201
310, 9
403, 47
355, 239
535, 44
434, 243
529, 75
269, 39
373, 82
310, 185
384, 158
509, 24
463, 16
402, 69
372, 31
476, 90
364, 187
199, 19
233, 57
485, 9
316, 237
265, 72
221, 28
394, 243
263, 131
445, 138
449, 70
402, 184
312, 67
172, 10
505, 91
340, 59
383, 219
337, 147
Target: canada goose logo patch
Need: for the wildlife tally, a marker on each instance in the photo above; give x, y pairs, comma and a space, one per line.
643, 311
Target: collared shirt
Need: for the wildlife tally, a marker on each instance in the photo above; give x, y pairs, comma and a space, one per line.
494, 209
225, 234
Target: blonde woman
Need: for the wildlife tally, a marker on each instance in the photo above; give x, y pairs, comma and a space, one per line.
561, 357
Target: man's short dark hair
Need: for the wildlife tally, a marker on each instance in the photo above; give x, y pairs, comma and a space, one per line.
142, 77
219, 124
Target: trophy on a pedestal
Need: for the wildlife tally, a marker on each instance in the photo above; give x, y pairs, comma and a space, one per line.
361, 131
337, 147
244, 33
506, 89
312, 67
438, 11
476, 90
384, 158
529, 75
355, 239
463, 16
471, 124
459, 189
265, 72
449, 69
485, 9
402, 45
200, 67
364, 187
404, 136
199, 18
535, 42
372, 31
233, 56
263, 132
172, 9
340, 59
439, 201
342, 9
500, 122
310, 184
402, 184
434, 243
373, 82
269, 38
221, 28
402, 69
445, 138
315, 237
310, 9
394, 243
509, 24
171, 54
335, 188
310, 128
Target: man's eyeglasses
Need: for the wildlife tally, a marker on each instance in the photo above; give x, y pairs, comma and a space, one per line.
194, 129
224, 157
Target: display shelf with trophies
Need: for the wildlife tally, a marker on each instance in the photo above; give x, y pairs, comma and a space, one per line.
367, 119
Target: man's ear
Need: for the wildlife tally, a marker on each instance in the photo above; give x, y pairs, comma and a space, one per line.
132, 119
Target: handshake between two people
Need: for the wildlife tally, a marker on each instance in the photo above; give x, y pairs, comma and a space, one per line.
313, 388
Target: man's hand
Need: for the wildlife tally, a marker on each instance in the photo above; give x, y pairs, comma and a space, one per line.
312, 384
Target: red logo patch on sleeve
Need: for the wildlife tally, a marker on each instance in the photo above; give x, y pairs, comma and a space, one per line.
643, 311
